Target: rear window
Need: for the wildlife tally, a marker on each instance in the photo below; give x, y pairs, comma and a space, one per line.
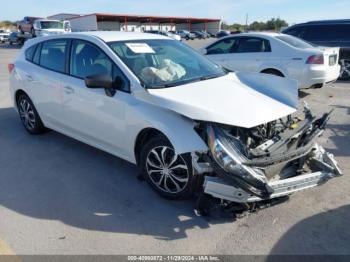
30, 52
328, 32
293, 41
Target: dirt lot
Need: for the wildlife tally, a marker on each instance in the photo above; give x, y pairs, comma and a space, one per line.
59, 196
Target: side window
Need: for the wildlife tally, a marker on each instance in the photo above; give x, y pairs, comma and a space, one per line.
53, 54
252, 45
222, 47
296, 31
87, 60
36, 58
29, 53
316, 33
335, 32
117, 73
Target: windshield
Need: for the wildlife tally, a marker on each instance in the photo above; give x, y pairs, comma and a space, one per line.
165, 63
51, 25
294, 41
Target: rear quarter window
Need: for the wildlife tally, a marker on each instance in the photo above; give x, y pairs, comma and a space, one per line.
29, 53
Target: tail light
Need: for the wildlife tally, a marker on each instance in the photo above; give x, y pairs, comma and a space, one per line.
315, 60
10, 67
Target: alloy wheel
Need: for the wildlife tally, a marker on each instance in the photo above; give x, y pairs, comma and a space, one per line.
345, 69
27, 114
166, 170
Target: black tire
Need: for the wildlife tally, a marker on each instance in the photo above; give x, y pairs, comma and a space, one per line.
32, 32
187, 38
345, 70
273, 72
29, 116
166, 171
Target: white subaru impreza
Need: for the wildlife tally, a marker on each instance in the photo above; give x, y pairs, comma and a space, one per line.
186, 122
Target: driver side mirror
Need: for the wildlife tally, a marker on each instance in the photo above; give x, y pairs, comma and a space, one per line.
99, 81
105, 81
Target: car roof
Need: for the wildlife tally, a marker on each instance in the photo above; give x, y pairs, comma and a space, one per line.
106, 36
322, 22
111, 36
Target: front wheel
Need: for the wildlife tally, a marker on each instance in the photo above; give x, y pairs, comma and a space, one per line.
345, 69
167, 173
32, 32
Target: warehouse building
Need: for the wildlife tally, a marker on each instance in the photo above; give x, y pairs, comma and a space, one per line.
138, 23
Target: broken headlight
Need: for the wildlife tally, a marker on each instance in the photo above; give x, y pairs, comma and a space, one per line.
229, 158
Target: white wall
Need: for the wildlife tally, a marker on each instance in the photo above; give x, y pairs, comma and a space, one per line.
212, 27
84, 23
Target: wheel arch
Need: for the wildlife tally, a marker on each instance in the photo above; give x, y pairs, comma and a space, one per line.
273, 69
182, 137
17, 94
143, 136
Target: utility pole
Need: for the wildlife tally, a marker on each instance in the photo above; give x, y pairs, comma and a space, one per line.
246, 23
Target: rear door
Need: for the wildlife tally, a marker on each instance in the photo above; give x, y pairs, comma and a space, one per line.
45, 80
244, 53
250, 53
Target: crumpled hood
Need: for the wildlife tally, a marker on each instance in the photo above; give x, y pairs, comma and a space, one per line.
238, 99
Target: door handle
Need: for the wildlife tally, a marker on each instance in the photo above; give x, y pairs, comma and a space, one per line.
68, 90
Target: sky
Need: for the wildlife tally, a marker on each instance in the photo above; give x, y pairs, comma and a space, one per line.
230, 11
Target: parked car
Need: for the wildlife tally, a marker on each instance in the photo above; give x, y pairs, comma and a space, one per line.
27, 25
199, 34
182, 119
186, 34
45, 27
222, 34
235, 32
331, 33
13, 38
277, 54
165, 33
4, 35
206, 34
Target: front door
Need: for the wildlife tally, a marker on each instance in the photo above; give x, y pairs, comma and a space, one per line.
93, 115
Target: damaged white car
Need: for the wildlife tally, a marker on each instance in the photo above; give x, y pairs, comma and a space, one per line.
186, 122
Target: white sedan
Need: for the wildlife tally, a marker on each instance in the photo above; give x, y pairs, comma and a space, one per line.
187, 123
277, 54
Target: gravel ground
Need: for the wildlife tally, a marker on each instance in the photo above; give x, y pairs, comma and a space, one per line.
59, 196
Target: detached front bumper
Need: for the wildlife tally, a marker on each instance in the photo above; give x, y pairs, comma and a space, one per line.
321, 160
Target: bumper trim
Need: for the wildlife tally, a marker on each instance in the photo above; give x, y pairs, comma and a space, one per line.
218, 188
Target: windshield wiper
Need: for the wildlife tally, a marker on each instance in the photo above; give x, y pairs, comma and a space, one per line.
197, 79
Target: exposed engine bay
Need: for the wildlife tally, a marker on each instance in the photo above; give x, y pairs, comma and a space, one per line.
266, 162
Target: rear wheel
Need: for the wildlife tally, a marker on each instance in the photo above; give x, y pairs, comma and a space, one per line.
29, 116
168, 174
345, 69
